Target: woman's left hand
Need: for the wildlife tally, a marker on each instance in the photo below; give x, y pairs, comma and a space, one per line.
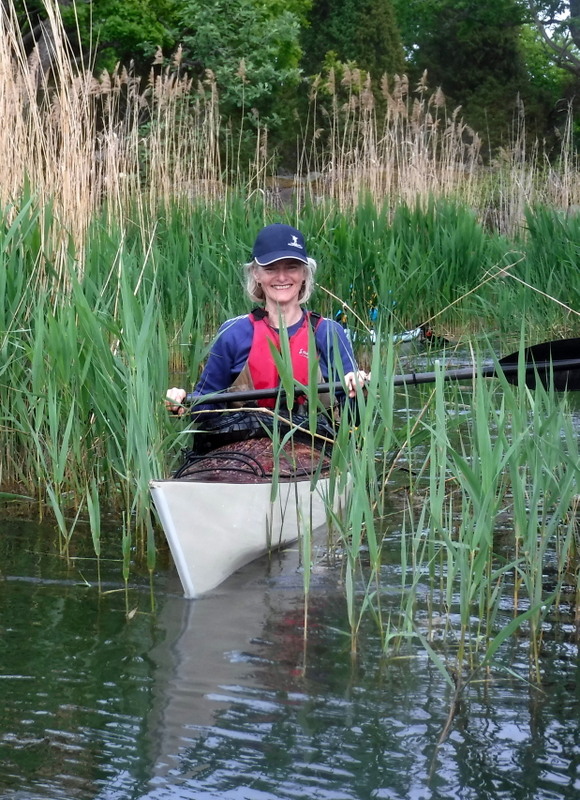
353, 380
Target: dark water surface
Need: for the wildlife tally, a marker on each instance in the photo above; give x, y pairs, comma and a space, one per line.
217, 698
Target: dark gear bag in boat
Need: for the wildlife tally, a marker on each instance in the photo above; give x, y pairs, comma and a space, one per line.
238, 426
231, 426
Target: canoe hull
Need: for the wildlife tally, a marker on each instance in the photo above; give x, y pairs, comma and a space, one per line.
214, 529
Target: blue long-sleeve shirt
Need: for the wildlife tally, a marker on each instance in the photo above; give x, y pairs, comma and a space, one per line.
231, 348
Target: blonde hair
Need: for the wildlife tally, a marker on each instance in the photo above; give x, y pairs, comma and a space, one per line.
256, 293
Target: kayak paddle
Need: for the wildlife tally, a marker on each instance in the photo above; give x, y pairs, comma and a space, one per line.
554, 364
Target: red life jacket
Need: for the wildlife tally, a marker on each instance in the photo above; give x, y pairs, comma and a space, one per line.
260, 362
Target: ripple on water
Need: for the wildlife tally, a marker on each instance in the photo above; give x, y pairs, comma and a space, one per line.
223, 699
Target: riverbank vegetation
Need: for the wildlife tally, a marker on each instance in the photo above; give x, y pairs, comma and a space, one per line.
264, 58
490, 470
121, 237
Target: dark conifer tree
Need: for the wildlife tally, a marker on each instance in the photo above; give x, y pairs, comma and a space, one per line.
473, 51
361, 31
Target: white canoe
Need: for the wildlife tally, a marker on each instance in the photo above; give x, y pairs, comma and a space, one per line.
215, 528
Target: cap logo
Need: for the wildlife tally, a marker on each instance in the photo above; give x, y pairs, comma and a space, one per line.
295, 243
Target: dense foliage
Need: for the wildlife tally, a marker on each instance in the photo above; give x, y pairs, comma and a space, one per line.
251, 49
364, 32
498, 61
491, 59
102, 32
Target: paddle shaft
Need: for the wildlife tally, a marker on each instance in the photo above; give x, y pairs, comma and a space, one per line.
489, 371
408, 379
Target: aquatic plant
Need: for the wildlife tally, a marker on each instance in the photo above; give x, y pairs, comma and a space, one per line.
130, 146
113, 280
489, 504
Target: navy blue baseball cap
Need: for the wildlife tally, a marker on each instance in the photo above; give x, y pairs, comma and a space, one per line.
278, 241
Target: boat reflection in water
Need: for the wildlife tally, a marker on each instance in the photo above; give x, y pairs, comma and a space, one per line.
243, 711
213, 649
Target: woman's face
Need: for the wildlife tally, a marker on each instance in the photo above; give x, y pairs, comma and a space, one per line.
281, 281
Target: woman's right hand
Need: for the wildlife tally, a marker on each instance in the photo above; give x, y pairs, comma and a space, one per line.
354, 380
174, 400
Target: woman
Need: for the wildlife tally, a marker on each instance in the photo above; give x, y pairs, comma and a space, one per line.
281, 278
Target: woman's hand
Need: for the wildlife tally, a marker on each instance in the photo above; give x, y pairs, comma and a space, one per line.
174, 400
353, 380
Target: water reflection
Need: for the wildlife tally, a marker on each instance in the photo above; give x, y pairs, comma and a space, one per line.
289, 724
217, 698
75, 678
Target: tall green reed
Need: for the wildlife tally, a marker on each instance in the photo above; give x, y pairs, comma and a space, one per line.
364, 432
492, 484
507, 463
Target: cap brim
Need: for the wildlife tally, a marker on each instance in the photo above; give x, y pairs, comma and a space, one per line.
270, 258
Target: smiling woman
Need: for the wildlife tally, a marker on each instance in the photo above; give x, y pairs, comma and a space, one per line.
280, 277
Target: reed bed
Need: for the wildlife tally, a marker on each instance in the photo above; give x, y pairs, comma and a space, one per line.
84, 372
134, 145
483, 517
121, 235
143, 307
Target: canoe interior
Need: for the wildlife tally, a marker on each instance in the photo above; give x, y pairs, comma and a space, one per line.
253, 461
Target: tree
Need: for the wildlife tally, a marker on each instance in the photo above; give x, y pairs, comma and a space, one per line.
127, 32
361, 31
463, 43
252, 48
476, 53
559, 26
102, 33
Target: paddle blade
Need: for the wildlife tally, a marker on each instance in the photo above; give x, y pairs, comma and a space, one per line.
548, 363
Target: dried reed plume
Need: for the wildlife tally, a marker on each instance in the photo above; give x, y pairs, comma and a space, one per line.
79, 144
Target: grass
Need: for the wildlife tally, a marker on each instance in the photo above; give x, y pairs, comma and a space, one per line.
84, 370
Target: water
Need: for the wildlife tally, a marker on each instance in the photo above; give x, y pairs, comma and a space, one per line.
219, 698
